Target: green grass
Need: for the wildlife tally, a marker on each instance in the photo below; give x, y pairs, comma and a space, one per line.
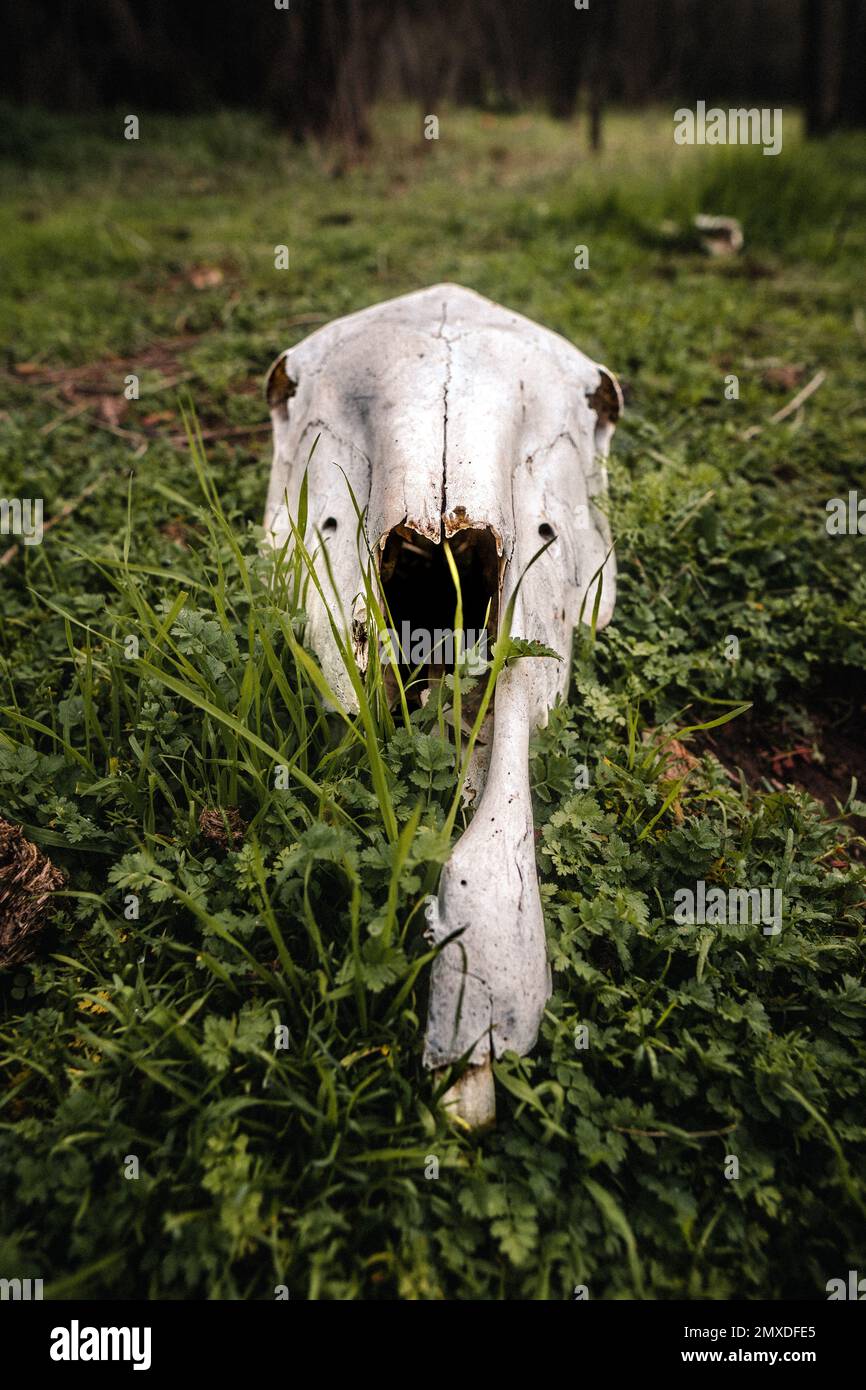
154, 1036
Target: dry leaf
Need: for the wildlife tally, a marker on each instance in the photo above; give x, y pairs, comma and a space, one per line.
222, 825
204, 277
27, 880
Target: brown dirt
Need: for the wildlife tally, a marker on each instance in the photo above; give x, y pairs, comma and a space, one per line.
96, 378
222, 825
819, 756
94, 390
27, 881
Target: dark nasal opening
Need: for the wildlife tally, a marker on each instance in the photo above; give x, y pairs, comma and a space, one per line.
420, 592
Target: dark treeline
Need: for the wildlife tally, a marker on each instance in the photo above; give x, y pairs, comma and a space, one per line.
316, 65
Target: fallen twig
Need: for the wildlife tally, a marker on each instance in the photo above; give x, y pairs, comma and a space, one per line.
65, 415
675, 1134
794, 404
808, 390
231, 431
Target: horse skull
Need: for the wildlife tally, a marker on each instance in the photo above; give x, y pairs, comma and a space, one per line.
453, 418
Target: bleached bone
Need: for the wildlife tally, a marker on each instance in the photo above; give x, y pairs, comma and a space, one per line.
451, 417
720, 236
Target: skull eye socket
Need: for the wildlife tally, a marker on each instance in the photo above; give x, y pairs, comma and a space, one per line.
546, 531
329, 525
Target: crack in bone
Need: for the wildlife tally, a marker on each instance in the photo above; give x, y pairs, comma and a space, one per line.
445, 388
329, 430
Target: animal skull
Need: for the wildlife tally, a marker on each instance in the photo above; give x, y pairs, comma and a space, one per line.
454, 418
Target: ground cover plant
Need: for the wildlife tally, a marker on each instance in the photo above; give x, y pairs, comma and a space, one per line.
153, 1139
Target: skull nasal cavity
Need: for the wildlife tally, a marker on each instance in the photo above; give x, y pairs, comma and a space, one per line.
420, 590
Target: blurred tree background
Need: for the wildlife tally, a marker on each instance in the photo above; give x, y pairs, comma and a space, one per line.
316, 65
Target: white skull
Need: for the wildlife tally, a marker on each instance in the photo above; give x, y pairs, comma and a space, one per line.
454, 418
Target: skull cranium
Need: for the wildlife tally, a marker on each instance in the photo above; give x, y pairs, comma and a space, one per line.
453, 418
